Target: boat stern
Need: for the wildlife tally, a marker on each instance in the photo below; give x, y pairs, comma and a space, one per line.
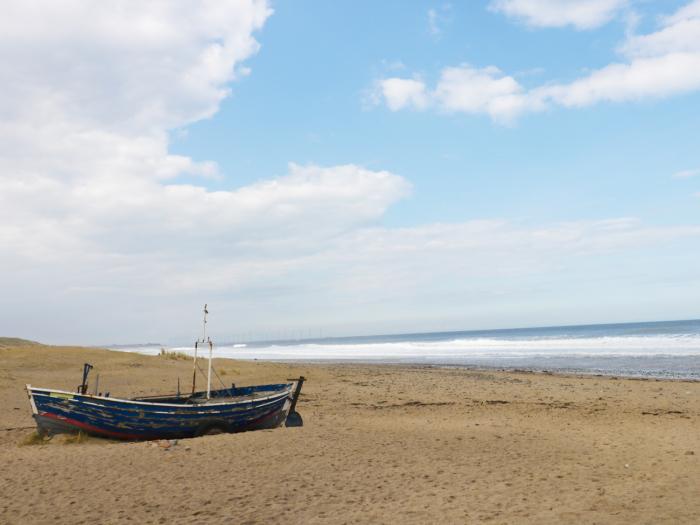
31, 399
41, 426
45, 424
294, 418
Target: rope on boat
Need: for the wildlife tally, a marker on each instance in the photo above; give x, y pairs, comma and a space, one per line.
217, 376
213, 370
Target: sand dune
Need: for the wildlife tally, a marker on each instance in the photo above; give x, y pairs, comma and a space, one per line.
381, 444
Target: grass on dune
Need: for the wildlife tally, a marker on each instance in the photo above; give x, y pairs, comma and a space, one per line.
34, 439
66, 439
175, 356
73, 439
10, 342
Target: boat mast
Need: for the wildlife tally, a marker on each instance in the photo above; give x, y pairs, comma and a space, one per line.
204, 324
211, 345
194, 368
209, 372
196, 345
204, 339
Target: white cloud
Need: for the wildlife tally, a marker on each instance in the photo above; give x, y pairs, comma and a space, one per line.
460, 89
433, 22
92, 203
679, 33
101, 239
656, 77
690, 10
86, 110
120, 215
470, 90
686, 174
402, 93
438, 17
468, 268
660, 64
134, 66
582, 14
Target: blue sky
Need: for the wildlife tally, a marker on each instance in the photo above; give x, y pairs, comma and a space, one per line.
305, 101
348, 168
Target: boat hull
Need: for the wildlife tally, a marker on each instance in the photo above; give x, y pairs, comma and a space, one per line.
56, 412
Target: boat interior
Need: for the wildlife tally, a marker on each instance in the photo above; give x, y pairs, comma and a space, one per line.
232, 394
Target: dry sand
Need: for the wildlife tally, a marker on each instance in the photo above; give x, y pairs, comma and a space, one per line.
381, 444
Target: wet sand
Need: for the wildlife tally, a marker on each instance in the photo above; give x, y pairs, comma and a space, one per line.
381, 444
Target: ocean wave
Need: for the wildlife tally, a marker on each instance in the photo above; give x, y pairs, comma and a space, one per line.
467, 348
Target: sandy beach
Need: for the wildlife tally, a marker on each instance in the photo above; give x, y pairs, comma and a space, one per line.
381, 444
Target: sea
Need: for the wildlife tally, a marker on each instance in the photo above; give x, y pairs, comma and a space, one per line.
665, 349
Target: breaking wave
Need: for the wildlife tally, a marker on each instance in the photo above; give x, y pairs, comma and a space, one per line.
461, 349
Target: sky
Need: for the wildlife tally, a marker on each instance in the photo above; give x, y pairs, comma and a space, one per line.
343, 168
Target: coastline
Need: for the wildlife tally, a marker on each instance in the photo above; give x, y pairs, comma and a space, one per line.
564, 372
663, 349
382, 443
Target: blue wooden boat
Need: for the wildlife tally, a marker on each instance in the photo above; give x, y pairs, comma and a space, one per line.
234, 409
